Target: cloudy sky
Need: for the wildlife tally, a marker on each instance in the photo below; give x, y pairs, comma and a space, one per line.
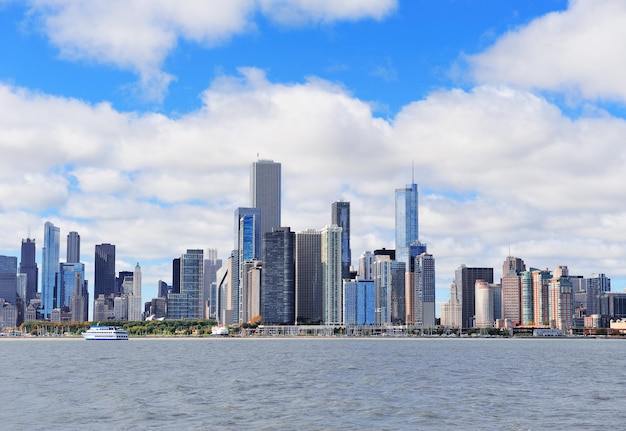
135, 122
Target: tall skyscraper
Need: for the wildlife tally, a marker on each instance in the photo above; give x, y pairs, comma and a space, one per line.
278, 289
308, 276
247, 248
451, 310
541, 296
465, 279
192, 283
424, 291
28, 266
265, 190
104, 270
49, 267
484, 298
406, 222
340, 215
512, 289
332, 287
597, 284
389, 284
73, 247
134, 299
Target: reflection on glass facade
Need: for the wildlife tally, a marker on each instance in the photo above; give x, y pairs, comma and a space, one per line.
406, 221
49, 267
341, 217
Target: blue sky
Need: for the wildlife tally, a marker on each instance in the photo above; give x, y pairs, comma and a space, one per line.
135, 123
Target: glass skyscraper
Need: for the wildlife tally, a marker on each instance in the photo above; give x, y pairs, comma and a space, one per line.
341, 217
247, 248
104, 271
49, 267
278, 277
28, 266
308, 257
265, 189
192, 282
8, 278
406, 222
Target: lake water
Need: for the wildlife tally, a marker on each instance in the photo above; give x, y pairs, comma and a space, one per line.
313, 384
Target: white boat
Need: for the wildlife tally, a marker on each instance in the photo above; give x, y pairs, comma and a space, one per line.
219, 330
98, 332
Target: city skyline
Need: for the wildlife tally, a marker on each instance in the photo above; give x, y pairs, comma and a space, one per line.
149, 147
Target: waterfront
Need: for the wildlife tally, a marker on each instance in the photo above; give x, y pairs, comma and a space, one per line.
313, 384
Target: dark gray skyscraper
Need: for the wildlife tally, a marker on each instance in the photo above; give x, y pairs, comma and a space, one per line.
28, 266
341, 217
104, 270
465, 279
278, 277
309, 277
8, 278
73, 247
265, 192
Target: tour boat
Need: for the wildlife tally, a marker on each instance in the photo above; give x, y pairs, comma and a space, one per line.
219, 330
98, 332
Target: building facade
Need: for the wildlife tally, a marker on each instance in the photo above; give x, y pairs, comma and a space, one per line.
309, 278
49, 268
265, 190
465, 279
340, 216
278, 285
332, 286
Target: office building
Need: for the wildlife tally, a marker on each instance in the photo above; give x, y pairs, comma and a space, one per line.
561, 300
465, 279
541, 296
134, 299
247, 248
28, 266
360, 302
8, 279
70, 277
278, 290
192, 282
366, 265
250, 284
49, 268
309, 283
451, 311
424, 297
73, 247
388, 281
406, 222
265, 190
104, 271
340, 216
597, 285
332, 286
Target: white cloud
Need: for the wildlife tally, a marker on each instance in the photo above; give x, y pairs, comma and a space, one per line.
544, 184
577, 51
138, 35
292, 12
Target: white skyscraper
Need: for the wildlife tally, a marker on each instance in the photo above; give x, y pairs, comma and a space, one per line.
332, 288
134, 299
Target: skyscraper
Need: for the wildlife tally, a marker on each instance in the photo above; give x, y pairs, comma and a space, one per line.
465, 279
69, 277
8, 279
104, 270
340, 215
597, 284
28, 266
134, 299
247, 248
278, 276
332, 287
406, 222
308, 257
265, 190
73, 247
191, 282
425, 291
49, 267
